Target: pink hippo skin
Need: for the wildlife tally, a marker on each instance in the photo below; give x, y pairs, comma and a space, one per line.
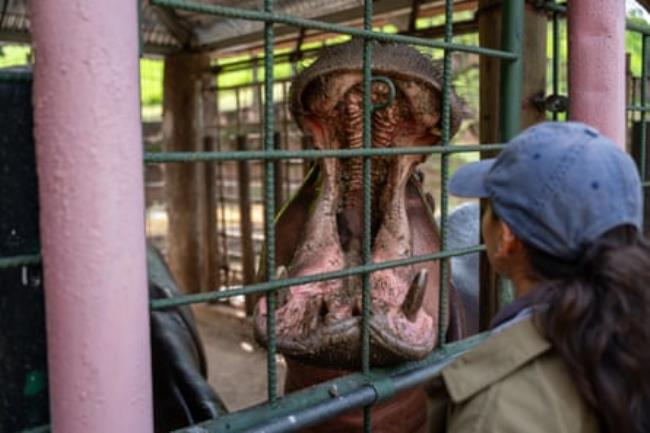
320, 230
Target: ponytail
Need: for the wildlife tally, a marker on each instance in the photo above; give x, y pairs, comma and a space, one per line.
597, 317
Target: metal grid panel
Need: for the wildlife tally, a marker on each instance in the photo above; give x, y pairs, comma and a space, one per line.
369, 386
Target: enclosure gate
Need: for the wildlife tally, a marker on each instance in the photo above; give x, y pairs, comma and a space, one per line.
367, 387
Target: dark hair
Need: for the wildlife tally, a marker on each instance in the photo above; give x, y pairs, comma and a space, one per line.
597, 316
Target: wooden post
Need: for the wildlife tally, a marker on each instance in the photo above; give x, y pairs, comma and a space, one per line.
210, 278
245, 223
534, 52
182, 181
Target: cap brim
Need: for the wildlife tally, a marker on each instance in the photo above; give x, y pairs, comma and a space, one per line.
469, 180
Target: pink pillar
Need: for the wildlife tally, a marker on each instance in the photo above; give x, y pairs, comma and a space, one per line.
89, 154
597, 65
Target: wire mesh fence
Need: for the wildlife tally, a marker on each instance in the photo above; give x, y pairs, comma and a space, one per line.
369, 386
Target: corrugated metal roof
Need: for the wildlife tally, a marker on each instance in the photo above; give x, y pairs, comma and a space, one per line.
165, 31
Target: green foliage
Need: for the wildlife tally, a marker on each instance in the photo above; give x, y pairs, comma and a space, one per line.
633, 46
151, 81
14, 55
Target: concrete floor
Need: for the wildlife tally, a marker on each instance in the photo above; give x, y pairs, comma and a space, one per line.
236, 363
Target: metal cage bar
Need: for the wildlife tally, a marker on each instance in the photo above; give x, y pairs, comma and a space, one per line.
444, 173
269, 205
367, 205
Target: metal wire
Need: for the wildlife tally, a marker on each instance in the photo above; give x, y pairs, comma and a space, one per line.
367, 206
162, 157
21, 260
269, 205
556, 59
644, 94
444, 162
278, 284
14, 76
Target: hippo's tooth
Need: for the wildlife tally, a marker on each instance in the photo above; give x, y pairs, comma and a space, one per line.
282, 294
430, 201
415, 296
281, 273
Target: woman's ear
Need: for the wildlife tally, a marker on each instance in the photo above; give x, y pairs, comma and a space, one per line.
508, 243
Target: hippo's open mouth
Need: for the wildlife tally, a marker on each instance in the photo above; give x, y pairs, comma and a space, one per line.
321, 229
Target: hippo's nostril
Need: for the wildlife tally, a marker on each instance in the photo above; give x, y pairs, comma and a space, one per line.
415, 296
323, 310
357, 308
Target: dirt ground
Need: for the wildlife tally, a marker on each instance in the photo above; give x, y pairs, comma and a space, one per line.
236, 363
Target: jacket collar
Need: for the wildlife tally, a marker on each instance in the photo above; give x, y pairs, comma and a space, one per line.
504, 352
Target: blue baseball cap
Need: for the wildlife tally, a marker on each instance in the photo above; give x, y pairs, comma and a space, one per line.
558, 185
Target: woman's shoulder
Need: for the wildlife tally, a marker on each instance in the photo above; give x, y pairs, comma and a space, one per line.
514, 381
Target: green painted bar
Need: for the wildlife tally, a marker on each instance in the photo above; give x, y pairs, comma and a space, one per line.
644, 94
269, 205
41, 429
511, 87
169, 157
367, 206
277, 284
551, 6
640, 28
319, 25
444, 174
511, 71
301, 409
637, 108
13, 76
22, 260
556, 59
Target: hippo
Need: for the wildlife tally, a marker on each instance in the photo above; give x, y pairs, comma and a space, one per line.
318, 325
182, 394
464, 224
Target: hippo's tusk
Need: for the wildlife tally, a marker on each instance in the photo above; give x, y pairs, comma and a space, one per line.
282, 294
415, 296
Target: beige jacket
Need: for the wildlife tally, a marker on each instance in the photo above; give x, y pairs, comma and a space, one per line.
513, 382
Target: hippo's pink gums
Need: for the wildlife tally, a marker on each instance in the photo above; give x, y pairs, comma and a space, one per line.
320, 230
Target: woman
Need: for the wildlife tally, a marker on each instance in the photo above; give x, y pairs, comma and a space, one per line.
572, 352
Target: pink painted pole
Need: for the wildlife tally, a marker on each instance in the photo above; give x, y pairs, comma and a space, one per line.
89, 153
597, 65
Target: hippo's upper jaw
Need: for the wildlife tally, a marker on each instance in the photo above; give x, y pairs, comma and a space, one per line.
321, 229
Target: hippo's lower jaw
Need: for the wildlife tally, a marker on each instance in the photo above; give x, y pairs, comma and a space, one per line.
339, 344
320, 323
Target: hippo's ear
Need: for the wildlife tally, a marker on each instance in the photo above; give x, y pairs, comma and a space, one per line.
290, 222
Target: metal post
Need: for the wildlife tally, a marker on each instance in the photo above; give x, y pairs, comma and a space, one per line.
512, 77
597, 65
511, 70
269, 205
89, 154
